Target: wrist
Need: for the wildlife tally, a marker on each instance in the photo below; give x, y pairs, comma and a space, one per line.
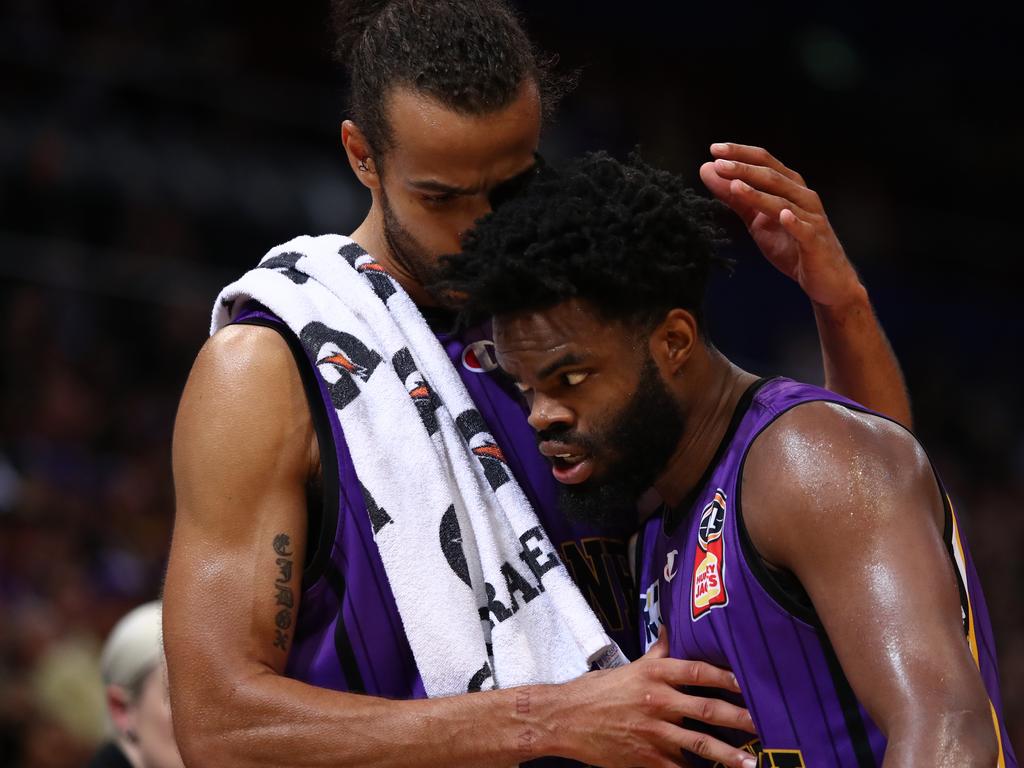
852, 300
540, 721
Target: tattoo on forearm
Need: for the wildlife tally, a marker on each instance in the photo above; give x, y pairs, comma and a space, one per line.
526, 737
285, 598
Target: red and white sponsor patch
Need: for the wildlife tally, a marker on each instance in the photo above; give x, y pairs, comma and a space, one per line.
708, 586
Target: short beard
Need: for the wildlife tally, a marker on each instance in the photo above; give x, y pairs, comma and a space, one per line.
406, 251
643, 436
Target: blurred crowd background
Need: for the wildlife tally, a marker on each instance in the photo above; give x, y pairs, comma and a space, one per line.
150, 153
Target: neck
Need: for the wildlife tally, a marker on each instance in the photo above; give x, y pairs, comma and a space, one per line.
715, 388
371, 238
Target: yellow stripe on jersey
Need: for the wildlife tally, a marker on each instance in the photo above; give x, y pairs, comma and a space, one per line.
972, 640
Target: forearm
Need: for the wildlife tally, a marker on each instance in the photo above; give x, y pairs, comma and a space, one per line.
271, 720
859, 361
965, 739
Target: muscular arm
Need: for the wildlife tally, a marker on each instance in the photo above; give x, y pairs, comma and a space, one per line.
849, 504
788, 222
244, 448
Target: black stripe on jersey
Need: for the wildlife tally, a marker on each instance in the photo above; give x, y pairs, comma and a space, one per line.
754, 610
817, 692
342, 642
786, 590
322, 522
851, 708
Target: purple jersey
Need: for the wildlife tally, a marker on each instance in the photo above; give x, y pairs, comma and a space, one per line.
701, 578
348, 634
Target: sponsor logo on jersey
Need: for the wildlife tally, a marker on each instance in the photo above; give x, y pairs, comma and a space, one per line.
708, 586
670, 565
478, 357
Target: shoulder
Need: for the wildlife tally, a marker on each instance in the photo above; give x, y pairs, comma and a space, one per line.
823, 467
245, 393
240, 348
814, 441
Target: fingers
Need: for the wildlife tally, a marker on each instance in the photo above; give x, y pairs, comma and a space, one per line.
677, 672
711, 711
715, 751
804, 232
677, 740
745, 153
721, 188
770, 181
763, 202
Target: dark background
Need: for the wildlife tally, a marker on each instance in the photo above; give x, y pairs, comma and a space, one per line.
149, 153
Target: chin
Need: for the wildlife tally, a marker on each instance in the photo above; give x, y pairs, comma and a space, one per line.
602, 504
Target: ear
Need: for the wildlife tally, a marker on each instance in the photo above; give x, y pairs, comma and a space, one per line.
360, 155
122, 712
673, 341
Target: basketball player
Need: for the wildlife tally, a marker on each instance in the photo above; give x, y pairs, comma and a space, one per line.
805, 542
447, 98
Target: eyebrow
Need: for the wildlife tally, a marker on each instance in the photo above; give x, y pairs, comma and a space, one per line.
432, 185
570, 358
503, 188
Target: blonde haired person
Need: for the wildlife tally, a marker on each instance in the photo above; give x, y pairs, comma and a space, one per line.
135, 682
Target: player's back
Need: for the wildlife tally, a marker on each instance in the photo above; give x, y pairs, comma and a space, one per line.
702, 578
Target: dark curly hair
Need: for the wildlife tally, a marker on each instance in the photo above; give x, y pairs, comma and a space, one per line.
472, 56
631, 239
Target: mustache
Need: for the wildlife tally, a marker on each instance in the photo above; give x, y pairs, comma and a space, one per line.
564, 434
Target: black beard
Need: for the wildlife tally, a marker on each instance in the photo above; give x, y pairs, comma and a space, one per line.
642, 436
406, 251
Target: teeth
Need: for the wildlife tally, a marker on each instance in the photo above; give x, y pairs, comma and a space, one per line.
570, 458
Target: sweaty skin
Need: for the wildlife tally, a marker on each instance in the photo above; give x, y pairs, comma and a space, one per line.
847, 502
245, 451
233, 706
889, 603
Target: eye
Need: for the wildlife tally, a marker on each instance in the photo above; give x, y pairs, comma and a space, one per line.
438, 200
575, 378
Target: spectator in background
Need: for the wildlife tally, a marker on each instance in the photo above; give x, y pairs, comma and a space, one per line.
135, 678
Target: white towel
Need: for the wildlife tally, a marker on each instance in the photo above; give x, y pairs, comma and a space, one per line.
484, 600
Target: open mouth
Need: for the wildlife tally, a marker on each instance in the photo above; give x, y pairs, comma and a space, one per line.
569, 464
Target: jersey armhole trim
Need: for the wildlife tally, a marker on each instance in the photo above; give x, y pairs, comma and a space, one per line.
783, 587
316, 565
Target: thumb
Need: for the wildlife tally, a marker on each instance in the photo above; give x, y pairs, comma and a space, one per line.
660, 648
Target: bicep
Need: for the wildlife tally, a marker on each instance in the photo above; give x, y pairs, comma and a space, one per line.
241, 460
860, 525
887, 597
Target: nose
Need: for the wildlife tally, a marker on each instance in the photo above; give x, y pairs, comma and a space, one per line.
546, 412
